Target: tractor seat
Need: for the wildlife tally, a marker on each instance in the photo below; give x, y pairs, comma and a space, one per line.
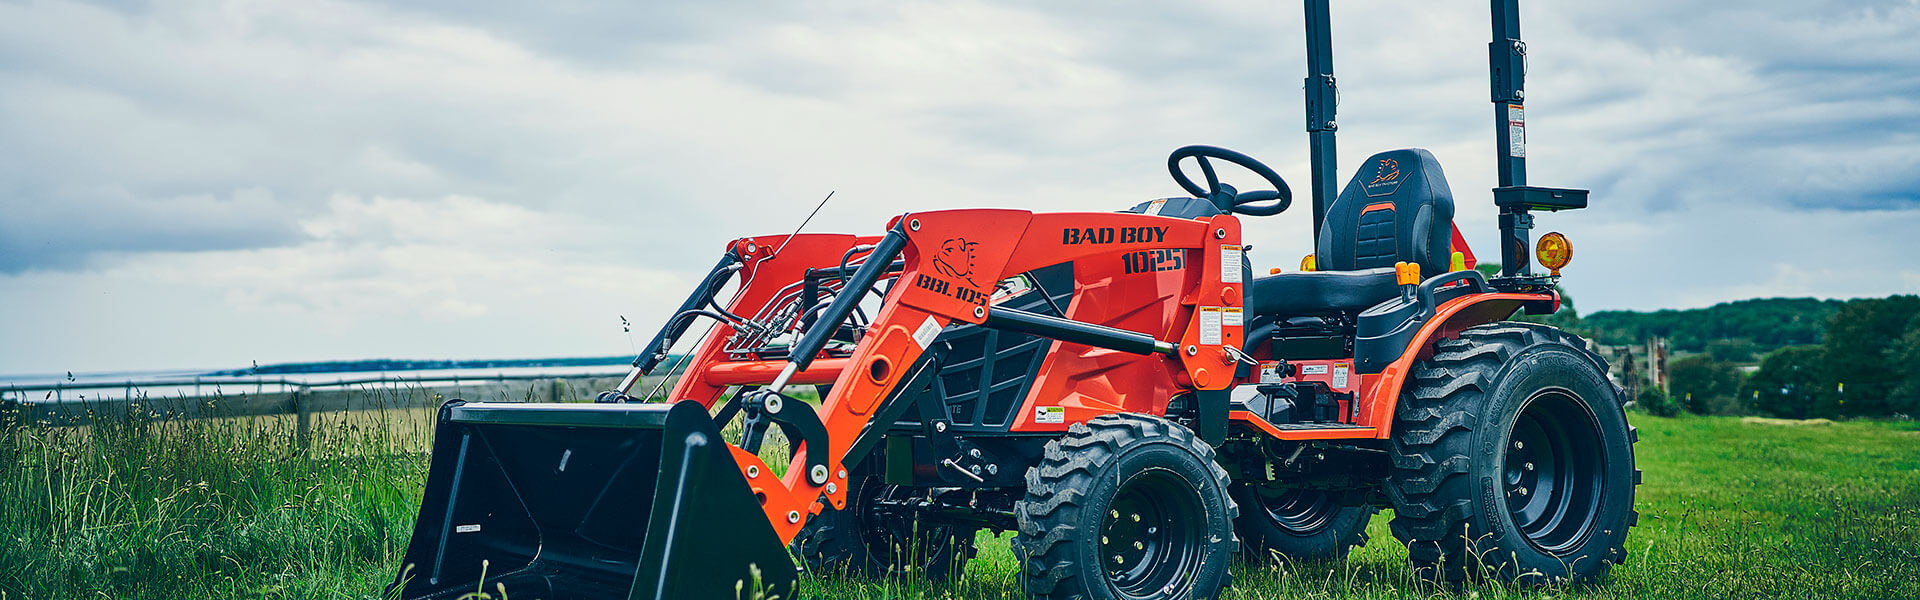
1317, 292
1396, 209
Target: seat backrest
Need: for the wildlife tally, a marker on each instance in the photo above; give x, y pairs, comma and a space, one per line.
1397, 208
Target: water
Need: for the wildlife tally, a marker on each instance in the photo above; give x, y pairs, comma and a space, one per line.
180, 382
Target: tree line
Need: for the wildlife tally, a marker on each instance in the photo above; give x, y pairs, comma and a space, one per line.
1796, 358
1787, 357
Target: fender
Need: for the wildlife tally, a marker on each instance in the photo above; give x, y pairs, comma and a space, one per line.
1382, 394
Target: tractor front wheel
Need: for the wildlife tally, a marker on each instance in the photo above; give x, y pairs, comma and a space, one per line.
1126, 506
1512, 459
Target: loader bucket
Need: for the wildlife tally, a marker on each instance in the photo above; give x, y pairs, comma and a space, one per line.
578, 501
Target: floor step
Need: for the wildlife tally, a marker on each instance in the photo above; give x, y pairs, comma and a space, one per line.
1311, 426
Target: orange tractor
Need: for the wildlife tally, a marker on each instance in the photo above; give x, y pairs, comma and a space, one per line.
1118, 389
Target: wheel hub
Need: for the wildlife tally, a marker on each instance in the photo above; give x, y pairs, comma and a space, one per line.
1150, 538
1552, 471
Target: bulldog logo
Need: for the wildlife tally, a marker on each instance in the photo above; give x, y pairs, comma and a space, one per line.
1386, 178
955, 259
1389, 171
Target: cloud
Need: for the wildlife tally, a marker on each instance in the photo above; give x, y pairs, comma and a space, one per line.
447, 258
84, 221
380, 276
494, 177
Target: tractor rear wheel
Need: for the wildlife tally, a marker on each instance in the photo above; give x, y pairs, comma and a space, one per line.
1126, 506
866, 540
1512, 459
1303, 526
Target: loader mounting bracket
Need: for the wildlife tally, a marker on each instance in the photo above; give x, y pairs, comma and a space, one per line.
796, 419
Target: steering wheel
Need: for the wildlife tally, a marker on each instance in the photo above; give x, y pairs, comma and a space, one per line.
1224, 196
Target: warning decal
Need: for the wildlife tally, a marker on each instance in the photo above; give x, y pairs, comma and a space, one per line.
1050, 414
1229, 263
1516, 131
1209, 324
1270, 372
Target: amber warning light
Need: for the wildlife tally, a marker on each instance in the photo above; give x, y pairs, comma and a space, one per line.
1554, 251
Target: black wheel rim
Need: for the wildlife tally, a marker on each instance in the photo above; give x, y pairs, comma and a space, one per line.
1553, 471
1299, 512
1151, 539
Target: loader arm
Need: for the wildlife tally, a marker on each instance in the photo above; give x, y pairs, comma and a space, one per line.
952, 261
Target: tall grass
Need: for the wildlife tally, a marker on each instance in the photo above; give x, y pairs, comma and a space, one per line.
236, 508
210, 508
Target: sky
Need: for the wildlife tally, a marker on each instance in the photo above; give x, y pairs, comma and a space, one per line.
206, 184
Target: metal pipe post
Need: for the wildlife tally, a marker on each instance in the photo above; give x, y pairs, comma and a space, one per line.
1322, 98
1507, 71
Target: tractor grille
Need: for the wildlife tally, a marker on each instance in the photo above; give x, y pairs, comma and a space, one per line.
987, 371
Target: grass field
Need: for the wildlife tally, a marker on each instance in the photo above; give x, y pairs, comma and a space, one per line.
234, 509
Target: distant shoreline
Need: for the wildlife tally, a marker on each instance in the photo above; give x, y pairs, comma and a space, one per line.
385, 364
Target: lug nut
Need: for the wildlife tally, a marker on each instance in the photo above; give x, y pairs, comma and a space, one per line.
1517, 445
1103, 539
1136, 517
1139, 546
1528, 466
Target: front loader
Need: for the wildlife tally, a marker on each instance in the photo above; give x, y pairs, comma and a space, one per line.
1121, 390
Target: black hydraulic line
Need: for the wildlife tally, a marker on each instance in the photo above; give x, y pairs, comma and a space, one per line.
850, 295
809, 298
832, 273
1079, 332
847, 257
717, 278
685, 318
1322, 98
727, 317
